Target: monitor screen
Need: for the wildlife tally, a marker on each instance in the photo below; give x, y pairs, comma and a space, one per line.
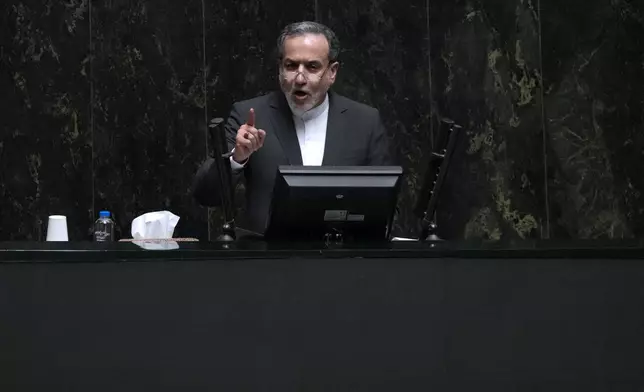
314, 202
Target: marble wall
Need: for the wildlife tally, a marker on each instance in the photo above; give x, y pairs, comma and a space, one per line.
105, 105
486, 74
45, 123
148, 101
593, 72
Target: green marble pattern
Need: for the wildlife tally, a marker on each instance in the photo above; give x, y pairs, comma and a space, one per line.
594, 104
485, 63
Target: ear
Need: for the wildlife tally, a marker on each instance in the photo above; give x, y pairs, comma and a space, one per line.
333, 70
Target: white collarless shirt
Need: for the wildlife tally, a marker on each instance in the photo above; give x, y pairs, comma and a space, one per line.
311, 133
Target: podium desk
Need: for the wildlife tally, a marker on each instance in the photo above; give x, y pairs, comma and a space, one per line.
252, 316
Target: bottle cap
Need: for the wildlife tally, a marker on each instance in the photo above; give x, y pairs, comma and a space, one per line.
104, 214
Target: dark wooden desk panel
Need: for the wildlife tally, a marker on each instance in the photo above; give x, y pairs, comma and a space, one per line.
325, 319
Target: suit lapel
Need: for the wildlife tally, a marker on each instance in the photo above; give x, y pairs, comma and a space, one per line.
282, 121
335, 131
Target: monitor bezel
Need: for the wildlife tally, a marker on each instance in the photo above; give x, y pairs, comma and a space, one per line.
275, 226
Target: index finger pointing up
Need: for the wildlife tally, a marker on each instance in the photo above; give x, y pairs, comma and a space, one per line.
251, 118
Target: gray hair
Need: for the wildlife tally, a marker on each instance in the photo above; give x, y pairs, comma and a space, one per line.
307, 27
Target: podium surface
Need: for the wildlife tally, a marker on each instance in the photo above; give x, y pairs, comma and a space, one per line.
251, 315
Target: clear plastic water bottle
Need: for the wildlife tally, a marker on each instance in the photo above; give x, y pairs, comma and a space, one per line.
104, 227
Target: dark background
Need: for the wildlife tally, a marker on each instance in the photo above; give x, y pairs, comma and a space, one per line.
104, 105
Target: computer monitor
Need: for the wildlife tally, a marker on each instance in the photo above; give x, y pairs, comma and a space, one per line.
349, 203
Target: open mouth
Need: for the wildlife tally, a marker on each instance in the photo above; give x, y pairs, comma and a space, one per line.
300, 94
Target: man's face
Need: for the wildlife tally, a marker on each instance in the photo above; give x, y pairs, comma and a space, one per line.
305, 71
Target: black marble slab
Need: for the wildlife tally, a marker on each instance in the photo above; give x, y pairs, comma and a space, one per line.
564, 166
45, 132
384, 63
149, 103
486, 77
241, 58
593, 62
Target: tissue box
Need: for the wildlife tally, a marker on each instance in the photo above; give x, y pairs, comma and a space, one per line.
154, 225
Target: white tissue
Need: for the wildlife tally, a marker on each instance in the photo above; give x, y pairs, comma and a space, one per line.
154, 225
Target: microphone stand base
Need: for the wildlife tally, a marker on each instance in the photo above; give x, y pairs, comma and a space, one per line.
228, 233
428, 231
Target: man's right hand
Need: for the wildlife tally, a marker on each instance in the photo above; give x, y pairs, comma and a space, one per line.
249, 139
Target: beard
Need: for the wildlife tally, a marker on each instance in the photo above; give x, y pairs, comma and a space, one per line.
298, 109
301, 107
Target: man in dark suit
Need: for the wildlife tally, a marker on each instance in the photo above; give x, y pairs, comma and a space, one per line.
303, 124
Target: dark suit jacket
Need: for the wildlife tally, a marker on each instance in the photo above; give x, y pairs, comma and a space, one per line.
355, 137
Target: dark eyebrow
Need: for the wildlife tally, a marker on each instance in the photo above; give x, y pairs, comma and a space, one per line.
311, 62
